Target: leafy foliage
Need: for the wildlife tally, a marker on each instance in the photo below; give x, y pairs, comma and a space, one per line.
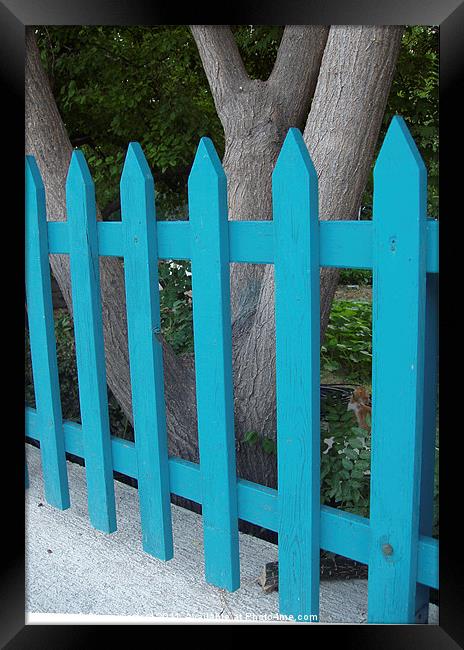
355, 276
176, 304
345, 460
414, 96
258, 45
347, 345
117, 84
114, 85
268, 444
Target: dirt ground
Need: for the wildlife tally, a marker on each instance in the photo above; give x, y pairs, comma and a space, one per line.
354, 292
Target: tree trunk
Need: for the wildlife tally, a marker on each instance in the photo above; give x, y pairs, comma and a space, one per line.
256, 115
354, 68
349, 71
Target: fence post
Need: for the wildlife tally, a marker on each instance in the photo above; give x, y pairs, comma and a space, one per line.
88, 332
146, 352
42, 342
399, 276
207, 191
297, 322
429, 431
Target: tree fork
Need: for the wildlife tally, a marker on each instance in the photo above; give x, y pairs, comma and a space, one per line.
349, 72
354, 71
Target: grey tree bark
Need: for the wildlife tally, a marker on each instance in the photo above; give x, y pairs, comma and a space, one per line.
342, 76
353, 67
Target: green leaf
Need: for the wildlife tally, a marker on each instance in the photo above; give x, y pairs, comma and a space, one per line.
269, 445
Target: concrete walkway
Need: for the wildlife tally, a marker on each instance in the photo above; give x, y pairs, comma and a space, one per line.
75, 574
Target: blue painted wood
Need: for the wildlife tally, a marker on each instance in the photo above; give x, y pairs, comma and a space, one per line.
297, 323
429, 430
427, 563
398, 372
88, 332
145, 352
341, 532
400, 244
207, 192
42, 342
343, 244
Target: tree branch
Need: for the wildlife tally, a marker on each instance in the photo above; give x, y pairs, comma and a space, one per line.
296, 68
221, 60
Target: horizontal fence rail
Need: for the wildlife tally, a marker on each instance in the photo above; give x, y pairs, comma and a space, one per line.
343, 244
343, 533
400, 245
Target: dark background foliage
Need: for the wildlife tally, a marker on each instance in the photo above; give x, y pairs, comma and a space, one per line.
118, 84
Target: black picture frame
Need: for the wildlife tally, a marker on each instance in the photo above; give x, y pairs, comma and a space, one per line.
449, 15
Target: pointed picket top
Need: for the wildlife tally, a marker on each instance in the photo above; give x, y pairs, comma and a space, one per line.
399, 152
33, 177
78, 172
206, 164
35, 191
136, 167
294, 158
137, 186
80, 190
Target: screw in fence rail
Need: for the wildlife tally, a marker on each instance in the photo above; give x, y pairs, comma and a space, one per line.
146, 352
88, 333
399, 283
207, 190
297, 314
42, 342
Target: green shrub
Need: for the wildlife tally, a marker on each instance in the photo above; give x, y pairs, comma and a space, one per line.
355, 276
345, 460
347, 347
176, 304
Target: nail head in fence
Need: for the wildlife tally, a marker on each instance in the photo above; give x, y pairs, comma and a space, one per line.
145, 352
42, 342
207, 191
297, 313
88, 332
399, 274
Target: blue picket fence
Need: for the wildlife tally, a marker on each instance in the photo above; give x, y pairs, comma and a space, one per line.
400, 245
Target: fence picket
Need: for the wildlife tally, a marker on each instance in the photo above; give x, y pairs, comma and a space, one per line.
42, 342
399, 275
145, 352
297, 313
401, 248
213, 365
88, 332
